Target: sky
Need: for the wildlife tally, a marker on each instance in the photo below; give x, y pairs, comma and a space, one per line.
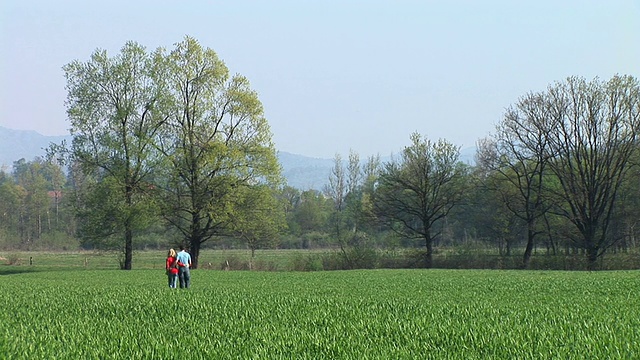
333, 76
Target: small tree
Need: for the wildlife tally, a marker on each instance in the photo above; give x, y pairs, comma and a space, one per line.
346, 189
259, 218
421, 189
336, 190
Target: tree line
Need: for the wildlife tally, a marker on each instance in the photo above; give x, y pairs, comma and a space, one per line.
168, 145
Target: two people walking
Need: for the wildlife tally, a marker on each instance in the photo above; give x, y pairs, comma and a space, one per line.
177, 267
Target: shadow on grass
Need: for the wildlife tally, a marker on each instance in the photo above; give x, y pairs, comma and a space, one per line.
12, 270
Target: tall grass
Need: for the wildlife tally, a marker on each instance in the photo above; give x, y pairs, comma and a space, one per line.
362, 314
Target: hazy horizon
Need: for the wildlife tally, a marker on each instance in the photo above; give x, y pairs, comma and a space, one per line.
334, 76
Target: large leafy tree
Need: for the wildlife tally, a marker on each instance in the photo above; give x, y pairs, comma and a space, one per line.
216, 141
111, 105
420, 189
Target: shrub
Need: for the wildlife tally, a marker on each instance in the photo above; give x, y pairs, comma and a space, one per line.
307, 262
233, 262
13, 259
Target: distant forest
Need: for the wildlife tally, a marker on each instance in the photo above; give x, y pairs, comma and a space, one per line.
186, 159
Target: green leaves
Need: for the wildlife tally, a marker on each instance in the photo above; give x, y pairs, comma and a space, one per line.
176, 121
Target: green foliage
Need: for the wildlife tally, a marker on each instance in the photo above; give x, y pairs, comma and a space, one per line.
215, 142
417, 192
56, 241
112, 106
393, 314
259, 218
32, 203
169, 129
313, 211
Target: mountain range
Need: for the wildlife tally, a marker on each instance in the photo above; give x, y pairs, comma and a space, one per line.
301, 172
23, 144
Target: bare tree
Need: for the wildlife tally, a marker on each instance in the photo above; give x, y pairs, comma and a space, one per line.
336, 189
593, 132
518, 155
354, 191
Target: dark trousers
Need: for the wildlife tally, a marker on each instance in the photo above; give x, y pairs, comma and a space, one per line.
184, 276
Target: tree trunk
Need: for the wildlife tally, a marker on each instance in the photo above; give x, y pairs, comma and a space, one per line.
526, 260
128, 232
428, 256
194, 251
592, 258
128, 247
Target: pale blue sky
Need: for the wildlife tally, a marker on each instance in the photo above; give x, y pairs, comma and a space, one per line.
333, 75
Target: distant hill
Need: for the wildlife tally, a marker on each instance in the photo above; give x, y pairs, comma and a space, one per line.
19, 144
306, 173
301, 172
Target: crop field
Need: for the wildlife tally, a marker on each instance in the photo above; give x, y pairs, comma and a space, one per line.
363, 314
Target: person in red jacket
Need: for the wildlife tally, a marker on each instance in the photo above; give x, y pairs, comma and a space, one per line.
172, 269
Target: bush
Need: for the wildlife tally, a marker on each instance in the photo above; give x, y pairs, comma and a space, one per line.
307, 262
13, 259
264, 265
393, 259
234, 263
359, 257
56, 241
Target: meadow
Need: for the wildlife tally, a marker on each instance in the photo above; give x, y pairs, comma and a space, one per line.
315, 259
67, 312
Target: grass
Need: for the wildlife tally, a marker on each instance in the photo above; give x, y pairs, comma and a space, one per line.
319, 259
361, 314
93, 260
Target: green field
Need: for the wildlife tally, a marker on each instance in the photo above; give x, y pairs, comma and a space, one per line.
363, 314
